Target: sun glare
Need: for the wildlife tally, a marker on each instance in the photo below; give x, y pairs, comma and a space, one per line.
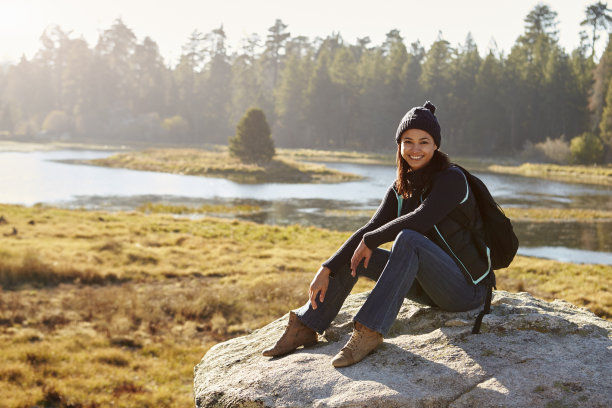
18, 21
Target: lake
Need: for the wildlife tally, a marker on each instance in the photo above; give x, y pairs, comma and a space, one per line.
46, 177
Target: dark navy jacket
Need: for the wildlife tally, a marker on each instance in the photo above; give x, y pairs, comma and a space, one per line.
445, 212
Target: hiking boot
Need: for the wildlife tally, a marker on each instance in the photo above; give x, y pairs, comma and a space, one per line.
296, 334
362, 342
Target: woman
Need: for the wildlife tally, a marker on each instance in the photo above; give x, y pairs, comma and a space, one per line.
435, 258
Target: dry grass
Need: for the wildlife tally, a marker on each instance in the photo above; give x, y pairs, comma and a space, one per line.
337, 156
557, 214
95, 247
102, 308
116, 308
219, 163
573, 174
582, 285
203, 209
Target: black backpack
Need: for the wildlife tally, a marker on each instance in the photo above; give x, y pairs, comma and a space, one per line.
499, 235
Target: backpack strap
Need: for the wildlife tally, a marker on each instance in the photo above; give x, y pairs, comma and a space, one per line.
487, 304
400, 202
457, 214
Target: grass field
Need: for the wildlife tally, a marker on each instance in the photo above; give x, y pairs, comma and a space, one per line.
100, 309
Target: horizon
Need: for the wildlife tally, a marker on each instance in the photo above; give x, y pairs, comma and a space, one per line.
170, 24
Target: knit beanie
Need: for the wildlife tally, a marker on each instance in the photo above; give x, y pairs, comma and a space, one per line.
420, 117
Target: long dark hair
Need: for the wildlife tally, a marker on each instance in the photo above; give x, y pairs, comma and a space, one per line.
408, 182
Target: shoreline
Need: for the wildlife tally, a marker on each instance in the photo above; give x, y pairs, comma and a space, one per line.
589, 175
592, 175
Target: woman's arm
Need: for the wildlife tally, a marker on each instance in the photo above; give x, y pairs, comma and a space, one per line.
386, 211
448, 190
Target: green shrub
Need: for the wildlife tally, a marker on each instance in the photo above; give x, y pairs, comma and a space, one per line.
586, 149
252, 142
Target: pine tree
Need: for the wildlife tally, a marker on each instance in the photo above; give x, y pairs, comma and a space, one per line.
289, 101
319, 95
275, 43
601, 77
411, 72
605, 126
597, 16
372, 121
216, 92
246, 84
252, 142
436, 71
460, 102
436, 80
150, 75
395, 98
487, 129
344, 109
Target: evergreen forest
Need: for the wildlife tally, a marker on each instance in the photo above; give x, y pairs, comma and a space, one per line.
325, 93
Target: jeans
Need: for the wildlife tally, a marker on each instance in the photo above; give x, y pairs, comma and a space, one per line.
415, 268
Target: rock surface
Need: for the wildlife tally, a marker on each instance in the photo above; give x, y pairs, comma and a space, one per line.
530, 353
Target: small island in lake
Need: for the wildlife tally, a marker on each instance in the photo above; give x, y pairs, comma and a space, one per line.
219, 163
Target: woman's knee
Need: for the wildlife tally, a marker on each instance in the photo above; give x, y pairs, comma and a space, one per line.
408, 238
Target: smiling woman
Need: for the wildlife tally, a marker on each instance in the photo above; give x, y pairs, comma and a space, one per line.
434, 259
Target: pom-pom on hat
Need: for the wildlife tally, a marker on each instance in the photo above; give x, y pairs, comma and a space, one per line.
421, 117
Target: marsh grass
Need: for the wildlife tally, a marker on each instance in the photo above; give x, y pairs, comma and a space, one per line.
573, 174
557, 214
166, 290
203, 209
219, 163
337, 156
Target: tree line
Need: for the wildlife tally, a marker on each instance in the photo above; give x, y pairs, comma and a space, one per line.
321, 93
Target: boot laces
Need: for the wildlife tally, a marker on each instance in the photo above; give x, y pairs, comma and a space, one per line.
354, 340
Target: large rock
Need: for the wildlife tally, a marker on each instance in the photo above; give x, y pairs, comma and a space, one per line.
530, 353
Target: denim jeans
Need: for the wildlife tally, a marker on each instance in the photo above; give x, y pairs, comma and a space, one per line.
415, 268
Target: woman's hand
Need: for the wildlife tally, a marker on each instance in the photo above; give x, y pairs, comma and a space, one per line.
319, 284
362, 252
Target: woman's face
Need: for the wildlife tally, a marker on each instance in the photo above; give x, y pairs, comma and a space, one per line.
417, 148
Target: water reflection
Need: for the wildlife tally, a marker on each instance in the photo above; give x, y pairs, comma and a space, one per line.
515, 190
570, 239
568, 255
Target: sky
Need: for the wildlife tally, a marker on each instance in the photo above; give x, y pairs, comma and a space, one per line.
169, 23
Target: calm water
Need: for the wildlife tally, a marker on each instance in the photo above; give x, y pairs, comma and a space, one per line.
42, 177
